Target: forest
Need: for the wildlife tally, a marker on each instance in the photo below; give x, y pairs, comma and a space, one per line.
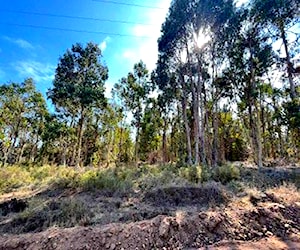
203, 150
226, 88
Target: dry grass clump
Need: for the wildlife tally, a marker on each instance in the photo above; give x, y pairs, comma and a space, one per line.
287, 193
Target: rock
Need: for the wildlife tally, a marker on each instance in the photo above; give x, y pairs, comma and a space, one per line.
269, 234
213, 223
202, 216
164, 228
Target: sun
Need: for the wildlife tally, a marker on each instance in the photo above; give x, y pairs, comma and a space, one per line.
201, 39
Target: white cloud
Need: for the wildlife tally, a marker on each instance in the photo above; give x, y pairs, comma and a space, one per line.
37, 70
19, 42
103, 44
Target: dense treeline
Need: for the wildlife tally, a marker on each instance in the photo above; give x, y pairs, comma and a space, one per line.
213, 96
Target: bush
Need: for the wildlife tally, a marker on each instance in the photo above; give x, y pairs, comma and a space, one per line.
206, 174
65, 177
107, 180
191, 173
226, 173
14, 177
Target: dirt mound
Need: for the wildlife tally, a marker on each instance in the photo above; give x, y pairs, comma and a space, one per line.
64, 213
173, 232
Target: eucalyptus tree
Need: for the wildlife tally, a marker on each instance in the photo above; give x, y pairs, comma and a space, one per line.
132, 91
78, 87
194, 61
56, 141
151, 127
22, 117
173, 49
280, 16
250, 59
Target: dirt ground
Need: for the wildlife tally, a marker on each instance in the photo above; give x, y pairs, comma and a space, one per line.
204, 216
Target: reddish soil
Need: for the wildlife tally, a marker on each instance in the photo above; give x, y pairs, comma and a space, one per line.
203, 217
268, 225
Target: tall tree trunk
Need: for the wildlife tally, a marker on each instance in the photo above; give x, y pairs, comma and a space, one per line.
10, 148
164, 141
195, 101
120, 152
74, 149
21, 153
137, 141
186, 124
254, 118
255, 132
288, 63
64, 156
196, 122
80, 136
201, 112
216, 136
258, 137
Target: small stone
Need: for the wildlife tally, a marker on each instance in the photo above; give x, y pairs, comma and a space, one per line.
269, 234
113, 246
164, 228
286, 225
202, 216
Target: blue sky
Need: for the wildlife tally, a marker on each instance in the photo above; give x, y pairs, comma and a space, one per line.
34, 52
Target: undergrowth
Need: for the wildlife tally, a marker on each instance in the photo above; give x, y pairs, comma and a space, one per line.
123, 178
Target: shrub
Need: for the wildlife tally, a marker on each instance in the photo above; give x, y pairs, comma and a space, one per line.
14, 177
235, 186
42, 174
206, 174
65, 177
226, 173
191, 173
107, 180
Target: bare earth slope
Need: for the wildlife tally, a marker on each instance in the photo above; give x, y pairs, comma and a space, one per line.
208, 216
268, 225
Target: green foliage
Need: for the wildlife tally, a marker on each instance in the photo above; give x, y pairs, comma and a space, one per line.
14, 177
226, 173
292, 113
79, 79
107, 180
22, 120
78, 88
235, 186
151, 125
206, 173
191, 173
65, 177
152, 176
